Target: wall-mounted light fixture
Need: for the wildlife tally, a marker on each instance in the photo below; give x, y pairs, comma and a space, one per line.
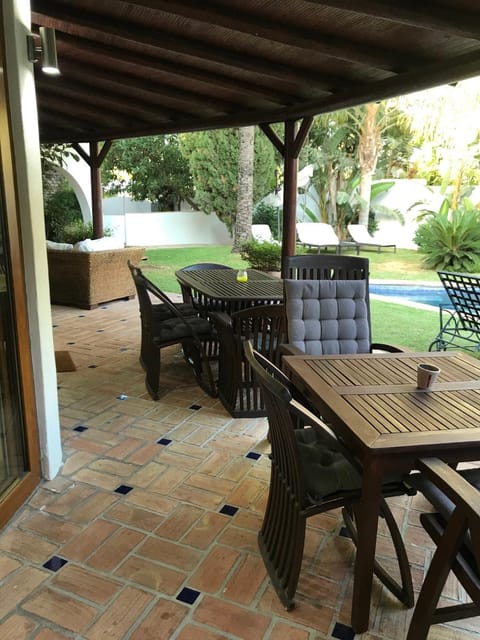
46, 52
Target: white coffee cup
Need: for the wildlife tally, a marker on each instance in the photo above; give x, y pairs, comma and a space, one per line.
426, 375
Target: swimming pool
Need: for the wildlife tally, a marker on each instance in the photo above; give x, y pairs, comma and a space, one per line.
432, 295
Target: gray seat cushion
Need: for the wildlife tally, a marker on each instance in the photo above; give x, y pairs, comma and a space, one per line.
327, 317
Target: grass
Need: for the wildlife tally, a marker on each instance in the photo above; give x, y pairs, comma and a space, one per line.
391, 323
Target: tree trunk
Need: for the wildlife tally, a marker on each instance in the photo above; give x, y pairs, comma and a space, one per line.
369, 146
243, 221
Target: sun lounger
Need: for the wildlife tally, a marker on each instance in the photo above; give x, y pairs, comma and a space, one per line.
362, 238
263, 233
321, 235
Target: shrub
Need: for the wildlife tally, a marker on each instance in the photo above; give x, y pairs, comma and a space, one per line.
263, 256
79, 230
450, 240
61, 209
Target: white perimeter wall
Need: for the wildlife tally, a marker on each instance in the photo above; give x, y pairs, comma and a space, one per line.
159, 229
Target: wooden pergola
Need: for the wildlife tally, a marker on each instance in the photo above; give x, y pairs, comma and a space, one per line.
149, 67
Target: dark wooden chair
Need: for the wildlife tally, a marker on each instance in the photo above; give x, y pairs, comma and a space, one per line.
164, 324
311, 472
265, 326
455, 529
187, 293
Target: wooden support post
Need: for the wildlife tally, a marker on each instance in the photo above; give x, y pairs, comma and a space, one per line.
294, 139
94, 160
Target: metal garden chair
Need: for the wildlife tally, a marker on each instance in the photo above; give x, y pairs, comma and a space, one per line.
459, 321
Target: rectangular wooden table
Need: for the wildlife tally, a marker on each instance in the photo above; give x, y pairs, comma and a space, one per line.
219, 289
373, 404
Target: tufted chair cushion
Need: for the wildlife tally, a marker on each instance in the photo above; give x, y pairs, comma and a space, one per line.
327, 317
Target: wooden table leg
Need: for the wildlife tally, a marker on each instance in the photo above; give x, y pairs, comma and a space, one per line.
368, 514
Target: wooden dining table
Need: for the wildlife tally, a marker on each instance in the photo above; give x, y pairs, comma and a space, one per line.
372, 403
219, 289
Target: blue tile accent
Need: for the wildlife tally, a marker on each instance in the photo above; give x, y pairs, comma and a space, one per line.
164, 441
228, 510
344, 533
195, 407
122, 396
80, 428
342, 632
55, 563
188, 595
253, 455
123, 489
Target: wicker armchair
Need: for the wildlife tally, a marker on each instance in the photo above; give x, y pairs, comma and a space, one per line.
162, 328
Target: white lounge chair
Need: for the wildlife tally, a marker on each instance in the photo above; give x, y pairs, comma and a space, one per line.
263, 233
321, 235
363, 238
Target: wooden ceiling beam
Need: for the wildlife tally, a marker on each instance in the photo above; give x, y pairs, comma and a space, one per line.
242, 21
59, 17
424, 15
173, 68
110, 101
88, 72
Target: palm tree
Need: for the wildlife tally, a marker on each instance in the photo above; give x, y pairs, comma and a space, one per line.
243, 220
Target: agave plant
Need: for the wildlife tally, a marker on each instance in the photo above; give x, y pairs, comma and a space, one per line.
450, 239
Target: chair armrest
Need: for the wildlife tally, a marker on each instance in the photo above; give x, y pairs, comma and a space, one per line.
221, 319
389, 348
452, 484
290, 350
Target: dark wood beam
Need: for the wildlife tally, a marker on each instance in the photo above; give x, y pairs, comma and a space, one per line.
61, 16
240, 20
90, 73
175, 69
427, 15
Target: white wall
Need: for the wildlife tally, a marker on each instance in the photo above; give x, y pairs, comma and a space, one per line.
163, 229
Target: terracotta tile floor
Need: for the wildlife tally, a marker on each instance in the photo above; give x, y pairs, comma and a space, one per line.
149, 531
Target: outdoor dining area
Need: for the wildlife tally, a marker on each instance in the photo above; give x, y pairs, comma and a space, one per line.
350, 423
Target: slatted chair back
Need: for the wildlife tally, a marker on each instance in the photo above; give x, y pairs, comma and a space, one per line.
265, 326
454, 526
325, 267
311, 472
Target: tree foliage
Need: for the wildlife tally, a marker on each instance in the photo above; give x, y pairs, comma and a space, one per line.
213, 158
149, 168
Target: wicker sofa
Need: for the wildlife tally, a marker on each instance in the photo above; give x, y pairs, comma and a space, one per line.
86, 279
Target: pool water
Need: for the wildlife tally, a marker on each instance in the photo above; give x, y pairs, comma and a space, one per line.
433, 295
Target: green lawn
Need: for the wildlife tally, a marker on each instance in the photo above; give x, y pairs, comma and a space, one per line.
391, 323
